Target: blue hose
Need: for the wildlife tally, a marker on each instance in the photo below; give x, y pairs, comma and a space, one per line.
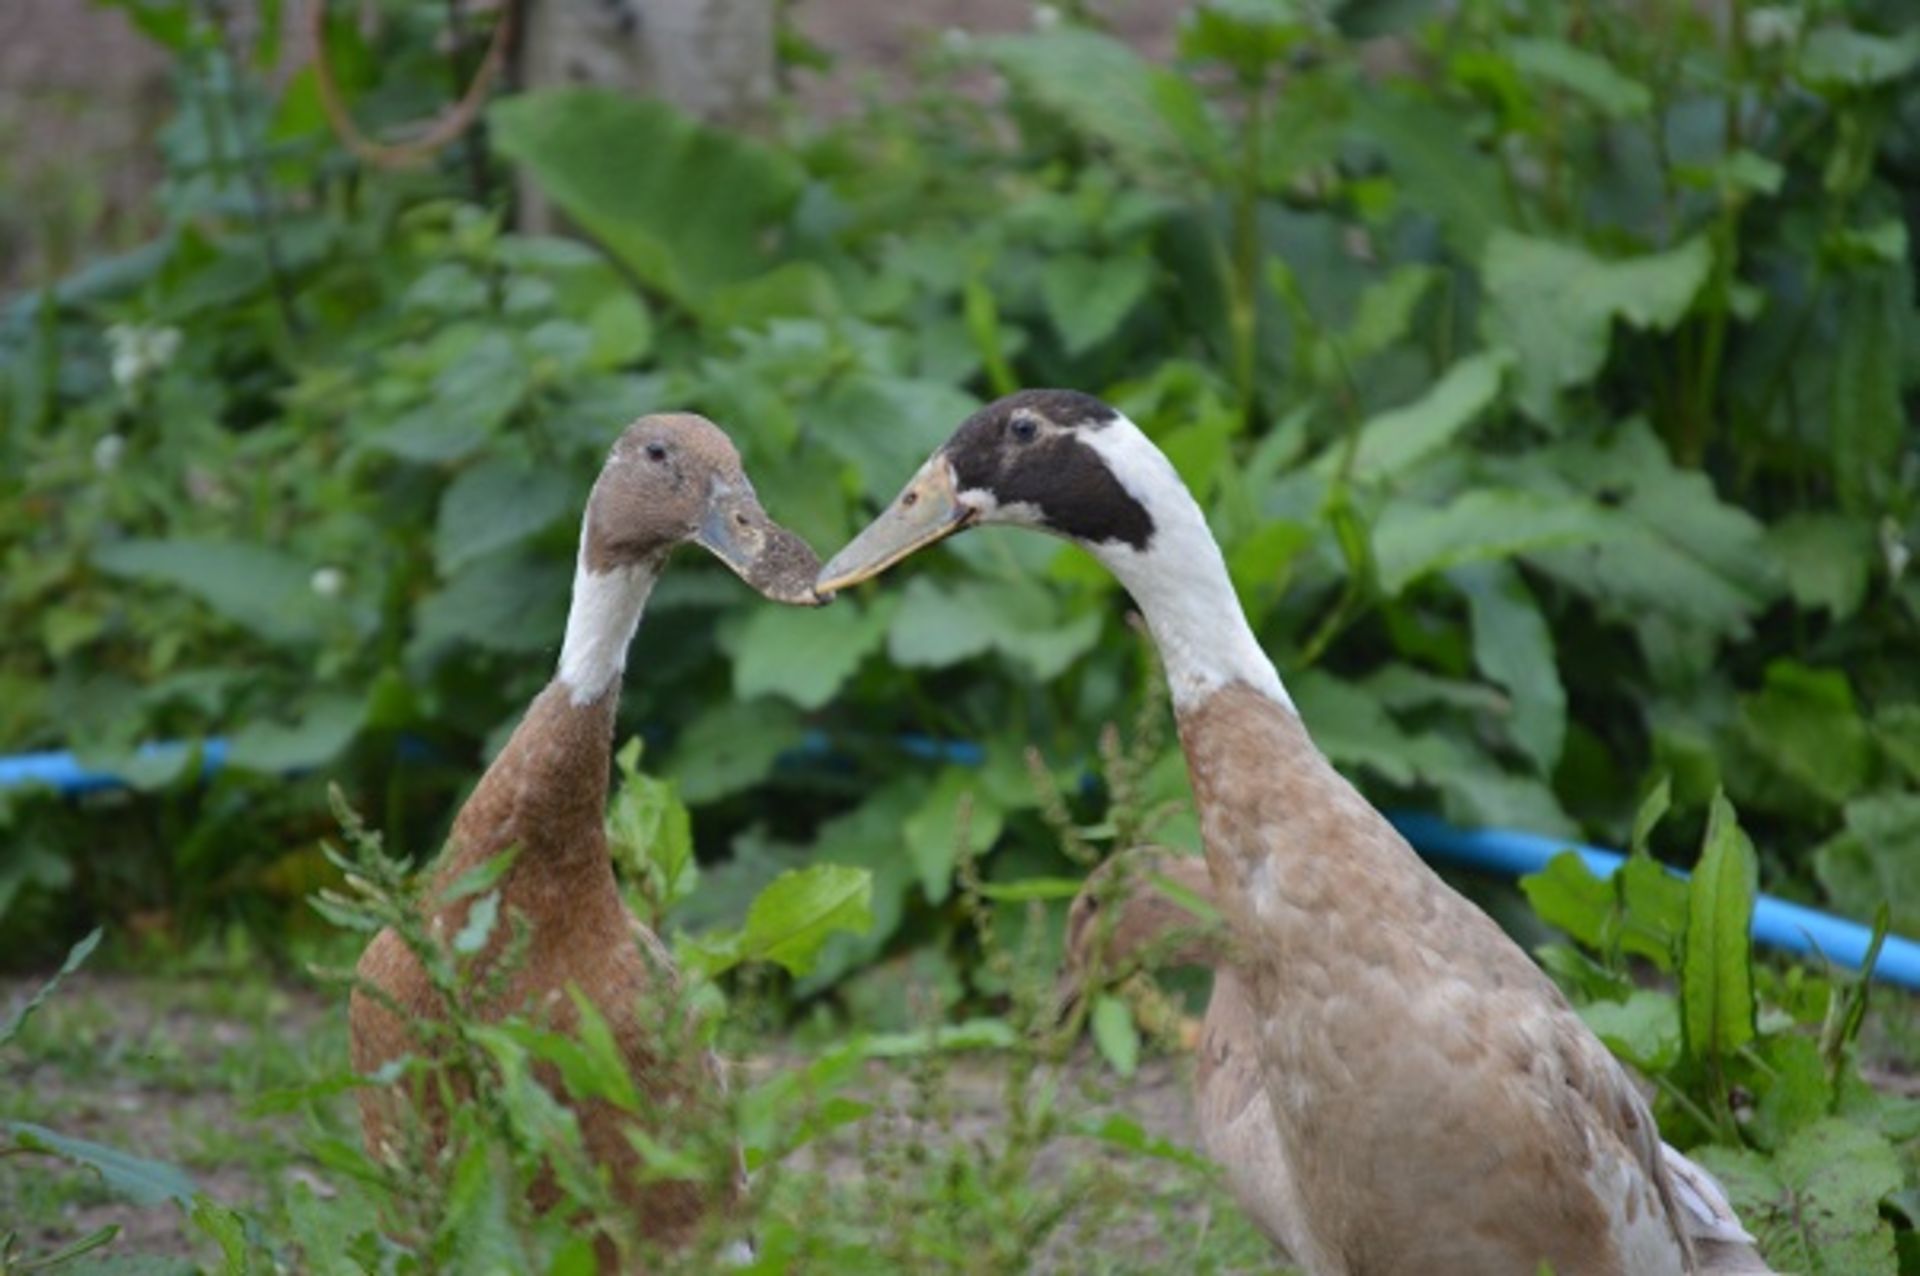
1793, 927
1777, 923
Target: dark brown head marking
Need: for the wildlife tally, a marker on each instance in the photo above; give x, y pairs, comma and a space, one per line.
1029, 449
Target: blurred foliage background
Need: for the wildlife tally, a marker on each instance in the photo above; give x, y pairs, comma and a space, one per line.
1548, 371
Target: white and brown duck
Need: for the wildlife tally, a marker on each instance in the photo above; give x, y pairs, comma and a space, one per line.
1438, 1107
1150, 907
670, 480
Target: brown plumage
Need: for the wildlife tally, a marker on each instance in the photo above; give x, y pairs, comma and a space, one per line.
1151, 906
668, 480
1438, 1106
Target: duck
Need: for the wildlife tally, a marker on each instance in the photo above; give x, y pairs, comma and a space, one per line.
1438, 1107
669, 479
1150, 906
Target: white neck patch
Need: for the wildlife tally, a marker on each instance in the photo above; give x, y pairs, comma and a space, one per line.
600, 626
1180, 580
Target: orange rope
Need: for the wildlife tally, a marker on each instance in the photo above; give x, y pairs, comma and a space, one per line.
444, 131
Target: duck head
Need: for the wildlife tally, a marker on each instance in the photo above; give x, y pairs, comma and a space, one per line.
1055, 460
675, 479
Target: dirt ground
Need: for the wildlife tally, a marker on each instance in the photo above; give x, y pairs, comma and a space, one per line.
166, 1069
83, 97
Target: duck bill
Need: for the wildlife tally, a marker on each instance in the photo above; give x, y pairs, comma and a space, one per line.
928, 510
767, 556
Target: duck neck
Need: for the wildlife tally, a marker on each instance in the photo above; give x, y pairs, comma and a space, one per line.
601, 622
1179, 581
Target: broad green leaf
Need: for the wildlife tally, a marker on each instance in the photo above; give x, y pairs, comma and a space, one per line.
1411, 541
1440, 173
1826, 560
1716, 972
802, 654
685, 207
1554, 304
1513, 646
1644, 1029
1678, 555
1384, 312
1836, 57
514, 601
650, 832
75, 956
483, 384
800, 910
1897, 728
261, 589
1815, 1207
1104, 90
939, 625
495, 504
1400, 438
1876, 859
1088, 298
731, 747
1581, 72
622, 330
1805, 723
1642, 909
1870, 425
1114, 1032
932, 832
326, 725
136, 1178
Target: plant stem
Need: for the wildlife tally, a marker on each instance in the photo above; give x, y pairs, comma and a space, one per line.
473, 145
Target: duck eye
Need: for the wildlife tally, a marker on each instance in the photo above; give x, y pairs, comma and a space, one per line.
656, 451
1024, 428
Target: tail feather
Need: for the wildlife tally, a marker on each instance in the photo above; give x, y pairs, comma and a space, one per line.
1724, 1247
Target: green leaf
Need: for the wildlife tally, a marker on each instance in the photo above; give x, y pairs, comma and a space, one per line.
1440, 173
1106, 91
1411, 541
481, 919
1641, 909
1840, 57
1876, 859
1826, 560
75, 957
622, 329
1805, 724
805, 655
1580, 72
326, 725
1716, 971
1114, 1032
1869, 418
496, 504
1815, 1208
1513, 646
803, 908
1897, 728
1400, 438
1088, 298
1644, 1029
261, 589
685, 207
932, 832
650, 833
731, 747
514, 601
939, 625
142, 1181
1555, 304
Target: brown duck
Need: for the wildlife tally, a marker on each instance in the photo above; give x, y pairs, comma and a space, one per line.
670, 480
1438, 1107
1151, 907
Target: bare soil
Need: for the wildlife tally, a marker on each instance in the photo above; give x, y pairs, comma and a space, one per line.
162, 1068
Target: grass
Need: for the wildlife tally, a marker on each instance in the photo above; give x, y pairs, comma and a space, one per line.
170, 1068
